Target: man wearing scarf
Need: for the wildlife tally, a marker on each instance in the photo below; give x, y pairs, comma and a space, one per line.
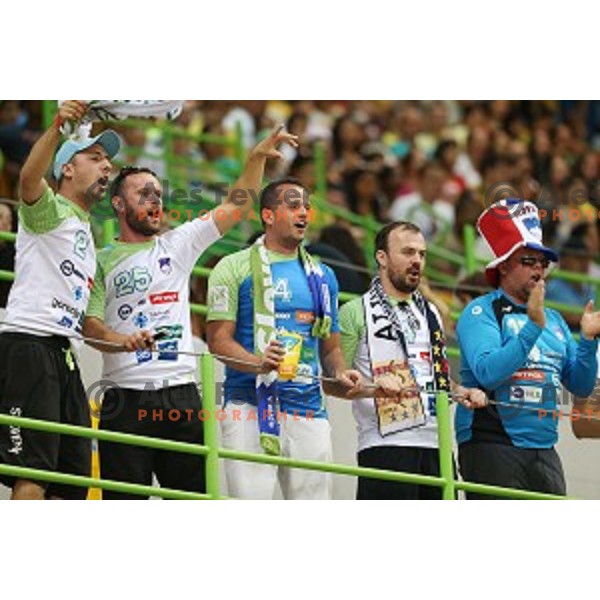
267, 291
394, 336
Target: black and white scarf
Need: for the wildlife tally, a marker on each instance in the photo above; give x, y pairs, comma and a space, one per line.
388, 351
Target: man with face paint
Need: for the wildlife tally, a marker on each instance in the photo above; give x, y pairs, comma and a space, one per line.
142, 292
394, 337
520, 354
259, 299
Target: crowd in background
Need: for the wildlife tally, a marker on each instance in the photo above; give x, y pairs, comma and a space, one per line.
436, 163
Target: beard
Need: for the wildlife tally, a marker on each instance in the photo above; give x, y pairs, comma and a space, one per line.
143, 225
403, 282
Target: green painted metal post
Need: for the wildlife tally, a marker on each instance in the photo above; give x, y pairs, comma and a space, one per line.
108, 232
207, 371
469, 244
48, 112
320, 187
240, 151
320, 172
445, 445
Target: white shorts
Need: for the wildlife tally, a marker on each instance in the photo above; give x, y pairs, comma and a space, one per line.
301, 438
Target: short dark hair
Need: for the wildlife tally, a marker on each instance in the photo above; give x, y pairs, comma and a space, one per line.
117, 185
269, 197
383, 235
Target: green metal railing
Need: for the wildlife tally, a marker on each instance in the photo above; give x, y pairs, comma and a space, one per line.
446, 481
469, 263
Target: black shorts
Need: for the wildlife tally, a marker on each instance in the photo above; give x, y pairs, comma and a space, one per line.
38, 381
536, 470
423, 461
170, 413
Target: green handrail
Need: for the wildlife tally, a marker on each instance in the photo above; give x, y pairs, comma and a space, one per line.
445, 446
446, 481
207, 369
105, 484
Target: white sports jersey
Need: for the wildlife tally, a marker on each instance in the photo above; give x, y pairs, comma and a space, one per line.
55, 268
356, 351
146, 286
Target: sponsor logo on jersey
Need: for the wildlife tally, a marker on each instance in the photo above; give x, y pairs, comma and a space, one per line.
283, 316
529, 375
141, 321
67, 268
168, 350
476, 310
218, 298
74, 312
124, 311
66, 322
526, 394
164, 297
305, 316
78, 293
143, 356
169, 332
160, 315
164, 264
426, 356
517, 393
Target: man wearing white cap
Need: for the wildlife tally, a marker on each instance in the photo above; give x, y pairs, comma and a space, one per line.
519, 353
55, 269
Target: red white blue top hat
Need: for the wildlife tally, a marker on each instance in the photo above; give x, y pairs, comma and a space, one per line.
508, 225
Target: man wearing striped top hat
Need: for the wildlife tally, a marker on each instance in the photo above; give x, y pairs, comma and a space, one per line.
520, 354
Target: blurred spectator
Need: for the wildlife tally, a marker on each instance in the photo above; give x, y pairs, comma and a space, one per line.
426, 206
348, 137
16, 140
575, 257
364, 194
217, 164
199, 295
589, 171
471, 287
7, 249
412, 160
357, 275
303, 169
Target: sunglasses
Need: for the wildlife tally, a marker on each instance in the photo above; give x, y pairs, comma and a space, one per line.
532, 261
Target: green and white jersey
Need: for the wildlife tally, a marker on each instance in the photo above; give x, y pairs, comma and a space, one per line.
146, 286
356, 353
55, 267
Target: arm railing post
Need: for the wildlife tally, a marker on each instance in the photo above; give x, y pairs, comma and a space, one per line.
469, 247
48, 111
207, 371
445, 445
